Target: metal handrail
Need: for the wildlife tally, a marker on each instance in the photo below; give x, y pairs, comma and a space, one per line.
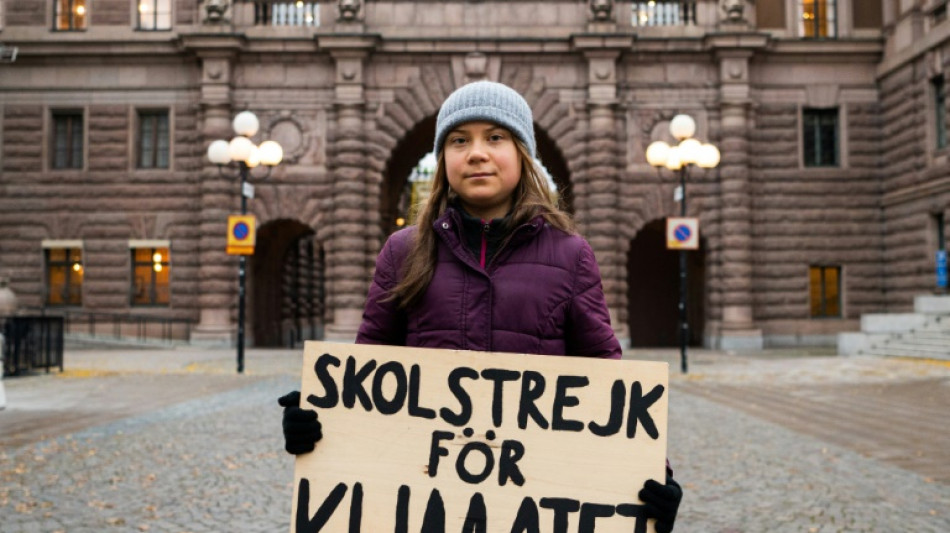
82, 321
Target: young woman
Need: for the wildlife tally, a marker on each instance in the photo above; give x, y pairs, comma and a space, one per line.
491, 265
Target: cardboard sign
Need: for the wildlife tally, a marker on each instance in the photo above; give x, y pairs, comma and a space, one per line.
419, 440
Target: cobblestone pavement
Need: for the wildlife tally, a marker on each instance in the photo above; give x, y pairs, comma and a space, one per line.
180, 443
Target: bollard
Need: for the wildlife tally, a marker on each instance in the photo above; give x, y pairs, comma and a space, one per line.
3, 394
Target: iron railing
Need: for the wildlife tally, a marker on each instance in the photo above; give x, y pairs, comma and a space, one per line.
287, 13
82, 324
32, 342
664, 13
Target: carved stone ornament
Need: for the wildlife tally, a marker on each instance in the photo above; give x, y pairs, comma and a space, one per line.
216, 11
602, 10
733, 10
349, 10
476, 66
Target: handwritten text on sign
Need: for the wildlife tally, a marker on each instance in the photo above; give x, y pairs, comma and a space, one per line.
421, 440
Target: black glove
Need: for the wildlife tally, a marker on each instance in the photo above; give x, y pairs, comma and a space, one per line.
302, 430
661, 502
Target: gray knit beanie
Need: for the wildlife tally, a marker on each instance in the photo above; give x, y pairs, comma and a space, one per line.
491, 102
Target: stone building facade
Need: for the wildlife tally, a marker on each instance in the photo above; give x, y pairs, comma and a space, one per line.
830, 201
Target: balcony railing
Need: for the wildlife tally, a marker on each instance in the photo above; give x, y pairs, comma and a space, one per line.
305, 14
664, 13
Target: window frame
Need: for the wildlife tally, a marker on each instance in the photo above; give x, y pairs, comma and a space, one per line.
154, 13
823, 303
938, 99
816, 130
71, 150
67, 265
140, 135
72, 6
831, 26
151, 285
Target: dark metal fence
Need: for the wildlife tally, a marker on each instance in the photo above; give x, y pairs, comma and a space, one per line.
94, 325
32, 342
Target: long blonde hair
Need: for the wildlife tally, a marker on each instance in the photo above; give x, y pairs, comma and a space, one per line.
531, 197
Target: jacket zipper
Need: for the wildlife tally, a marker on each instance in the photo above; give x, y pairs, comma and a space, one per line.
485, 227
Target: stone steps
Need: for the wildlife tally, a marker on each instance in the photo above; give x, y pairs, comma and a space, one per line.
925, 333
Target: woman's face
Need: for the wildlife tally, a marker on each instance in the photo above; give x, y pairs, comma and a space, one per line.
483, 167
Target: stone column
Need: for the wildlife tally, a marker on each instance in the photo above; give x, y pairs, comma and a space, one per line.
349, 262
217, 272
738, 329
601, 187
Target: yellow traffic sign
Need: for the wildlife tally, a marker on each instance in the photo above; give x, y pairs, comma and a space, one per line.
242, 234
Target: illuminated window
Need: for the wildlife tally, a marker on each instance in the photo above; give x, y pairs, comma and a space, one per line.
67, 139
64, 275
153, 139
820, 137
150, 276
817, 19
825, 291
70, 15
154, 14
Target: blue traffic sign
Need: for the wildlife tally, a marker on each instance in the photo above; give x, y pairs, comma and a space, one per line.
942, 269
682, 233
241, 231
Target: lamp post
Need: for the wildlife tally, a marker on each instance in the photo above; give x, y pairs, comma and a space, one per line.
678, 159
242, 151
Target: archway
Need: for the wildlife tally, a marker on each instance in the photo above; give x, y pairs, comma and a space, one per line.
653, 290
286, 293
394, 200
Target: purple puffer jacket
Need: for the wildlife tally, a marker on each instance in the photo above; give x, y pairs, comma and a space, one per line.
541, 294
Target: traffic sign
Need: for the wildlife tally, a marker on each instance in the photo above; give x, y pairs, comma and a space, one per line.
942, 269
242, 234
682, 233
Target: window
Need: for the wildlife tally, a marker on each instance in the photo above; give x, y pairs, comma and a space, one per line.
64, 274
154, 14
150, 275
820, 137
817, 19
153, 139
67, 139
70, 15
825, 291
940, 112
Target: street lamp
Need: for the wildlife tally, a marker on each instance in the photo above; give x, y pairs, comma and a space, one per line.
678, 159
242, 151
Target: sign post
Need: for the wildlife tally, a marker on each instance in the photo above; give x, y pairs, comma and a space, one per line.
446, 440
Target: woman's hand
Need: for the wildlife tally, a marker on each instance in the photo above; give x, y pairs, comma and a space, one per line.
302, 430
661, 502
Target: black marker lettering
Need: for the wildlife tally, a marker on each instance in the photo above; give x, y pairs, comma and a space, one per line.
590, 512
390, 406
434, 519
414, 409
562, 400
532, 387
462, 470
561, 507
304, 523
465, 402
638, 410
356, 507
402, 510
631, 510
527, 519
511, 452
476, 517
436, 450
353, 383
618, 397
331, 396
499, 376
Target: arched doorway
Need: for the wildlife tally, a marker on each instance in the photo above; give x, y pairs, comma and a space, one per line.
287, 285
653, 290
396, 190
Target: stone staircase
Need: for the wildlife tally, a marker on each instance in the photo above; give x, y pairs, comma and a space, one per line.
925, 333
